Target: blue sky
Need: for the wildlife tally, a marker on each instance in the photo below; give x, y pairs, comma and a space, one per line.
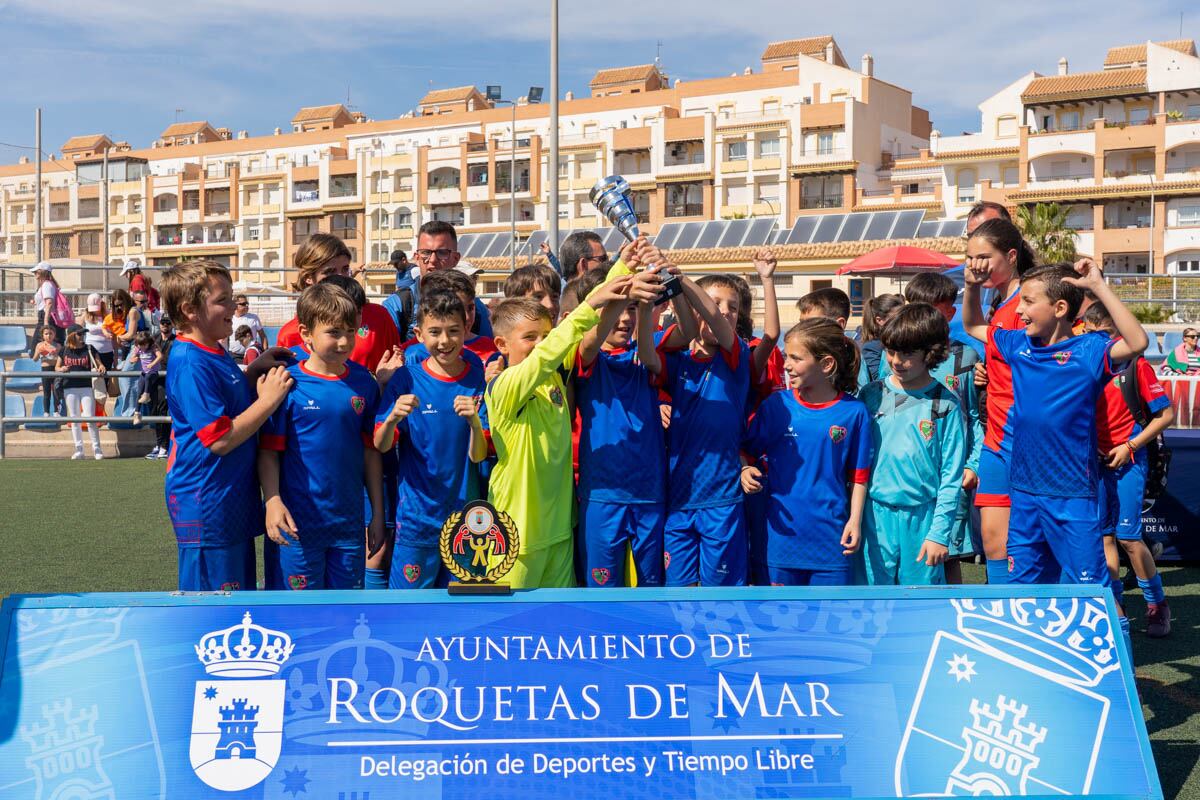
122, 67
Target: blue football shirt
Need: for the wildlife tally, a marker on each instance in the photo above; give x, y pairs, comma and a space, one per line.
437, 476
321, 429
814, 452
1053, 416
213, 501
708, 412
622, 456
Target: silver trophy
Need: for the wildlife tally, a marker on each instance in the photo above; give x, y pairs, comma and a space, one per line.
611, 198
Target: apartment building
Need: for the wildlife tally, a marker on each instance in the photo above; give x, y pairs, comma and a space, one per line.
803, 134
1118, 146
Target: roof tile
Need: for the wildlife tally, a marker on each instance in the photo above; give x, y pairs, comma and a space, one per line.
1136, 53
1085, 84
813, 45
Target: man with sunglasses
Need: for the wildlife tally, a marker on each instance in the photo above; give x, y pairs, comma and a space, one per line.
581, 252
437, 250
243, 316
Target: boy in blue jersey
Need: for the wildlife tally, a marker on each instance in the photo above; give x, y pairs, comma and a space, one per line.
920, 452
431, 412
315, 453
1054, 533
211, 488
704, 540
622, 460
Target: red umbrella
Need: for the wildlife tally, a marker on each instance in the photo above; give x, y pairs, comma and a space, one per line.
900, 259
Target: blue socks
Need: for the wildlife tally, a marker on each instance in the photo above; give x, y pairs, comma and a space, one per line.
1118, 590
997, 571
1125, 635
375, 579
1152, 589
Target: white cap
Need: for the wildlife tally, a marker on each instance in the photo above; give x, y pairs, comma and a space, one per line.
41, 266
94, 302
468, 269
129, 267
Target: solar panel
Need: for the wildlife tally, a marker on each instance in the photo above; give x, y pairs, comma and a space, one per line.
464, 242
853, 229
613, 239
478, 246
533, 244
802, 231
880, 226
761, 231
828, 227
665, 239
711, 235
735, 231
953, 227
780, 237
687, 236
498, 246
928, 229
907, 224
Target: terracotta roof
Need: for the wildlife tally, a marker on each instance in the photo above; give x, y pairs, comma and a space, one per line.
310, 113
1085, 84
812, 46
606, 77
1136, 53
817, 168
447, 95
982, 152
1123, 190
86, 142
184, 128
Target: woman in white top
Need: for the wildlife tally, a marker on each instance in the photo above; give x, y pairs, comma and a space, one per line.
98, 338
44, 299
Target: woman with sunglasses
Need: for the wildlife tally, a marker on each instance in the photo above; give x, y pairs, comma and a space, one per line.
243, 316
1184, 359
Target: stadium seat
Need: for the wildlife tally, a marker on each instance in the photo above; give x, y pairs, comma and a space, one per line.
23, 384
1153, 351
13, 341
1171, 340
272, 335
14, 406
39, 410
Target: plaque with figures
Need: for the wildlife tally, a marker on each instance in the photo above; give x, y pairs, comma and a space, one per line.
640, 693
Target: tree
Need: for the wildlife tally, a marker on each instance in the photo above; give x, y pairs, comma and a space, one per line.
1045, 226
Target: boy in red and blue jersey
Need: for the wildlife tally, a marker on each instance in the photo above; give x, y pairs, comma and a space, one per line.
1122, 438
704, 540
211, 488
1054, 531
316, 454
433, 415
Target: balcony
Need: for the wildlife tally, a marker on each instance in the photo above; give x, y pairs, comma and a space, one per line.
477, 147
1069, 177
1081, 142
821, 201
166, 236
343, 186
683, 210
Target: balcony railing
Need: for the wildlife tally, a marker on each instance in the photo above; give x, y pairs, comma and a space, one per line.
1123, 223
1069, 176
476, 147
502, 185
822, 201
444, 184
215, 209
685, 209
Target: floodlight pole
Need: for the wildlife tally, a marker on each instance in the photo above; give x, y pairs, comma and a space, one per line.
552, 167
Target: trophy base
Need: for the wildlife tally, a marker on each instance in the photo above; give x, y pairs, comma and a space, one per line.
672, 287
491, 589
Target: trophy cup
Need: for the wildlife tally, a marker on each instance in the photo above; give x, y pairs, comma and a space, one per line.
610, 196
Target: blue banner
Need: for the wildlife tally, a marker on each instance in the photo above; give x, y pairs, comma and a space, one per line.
780, 692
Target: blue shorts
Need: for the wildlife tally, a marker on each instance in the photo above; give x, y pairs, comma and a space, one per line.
417, 567
1055, 540
217, 569
606, 529
391, 489
786, 576
334, 566
993, 488
1120, 495
754, 506
706, 546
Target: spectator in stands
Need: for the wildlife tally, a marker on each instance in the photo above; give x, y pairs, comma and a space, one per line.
163, 339
243, 316
581, 251
549, 254
120, 303
1185, 358
44, 299
47, 352
81, 402
138, 319
140, 283
98, 337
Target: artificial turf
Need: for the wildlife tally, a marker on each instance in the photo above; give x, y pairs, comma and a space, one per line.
83, 526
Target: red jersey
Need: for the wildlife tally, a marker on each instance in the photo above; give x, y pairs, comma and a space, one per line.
482, 346
999, 387
771, 378
1114, 421
375, 337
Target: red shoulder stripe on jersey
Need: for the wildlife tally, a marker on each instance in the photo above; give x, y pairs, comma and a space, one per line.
272, 441
487, 437
368, 441
304, 368
859, 475
213, 431
732, 356
581, 369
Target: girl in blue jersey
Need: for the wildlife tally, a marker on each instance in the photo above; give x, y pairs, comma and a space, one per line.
817, 440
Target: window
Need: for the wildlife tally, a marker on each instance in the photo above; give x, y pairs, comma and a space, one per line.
135, 237
253, 233
89, 243
303, 228
1069, 121
770, 107
1139, 116
821, 191
725, 110
384, 220
60, 212
1188, 215
343, 185
345, 225
735, 151
768, 148
825, 144
60, 245
965, 181
1006, 126
1009, 176
404, 218
685, 199
1047, 122
89, 209
1188, 264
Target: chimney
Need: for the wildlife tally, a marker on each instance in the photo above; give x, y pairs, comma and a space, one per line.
747, 71
277, 131
868, 65
569, 96
23, 160
243, 134
1062, 66
829, 53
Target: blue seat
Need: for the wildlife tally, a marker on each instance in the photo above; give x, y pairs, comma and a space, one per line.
39, 410
1171, 340
13, 341
14, 406
272, 334
1153, 351
24, 384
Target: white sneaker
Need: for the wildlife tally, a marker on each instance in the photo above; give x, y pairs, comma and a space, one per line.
153, 454
144, 399
77, 455
163, 454
98, 456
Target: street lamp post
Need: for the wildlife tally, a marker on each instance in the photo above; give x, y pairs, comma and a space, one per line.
535, 95
770, 204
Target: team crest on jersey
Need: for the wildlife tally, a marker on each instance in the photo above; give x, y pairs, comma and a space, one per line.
836, 433
1063, 357
953, 381
600, 575
666, 560
412, 572
231, 586
298, 581
358, 404
925, 426
363, 331
556, 396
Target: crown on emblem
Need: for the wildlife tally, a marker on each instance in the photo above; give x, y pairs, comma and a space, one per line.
244, 651
1068, 638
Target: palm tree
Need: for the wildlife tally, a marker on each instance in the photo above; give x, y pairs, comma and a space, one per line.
1045, 226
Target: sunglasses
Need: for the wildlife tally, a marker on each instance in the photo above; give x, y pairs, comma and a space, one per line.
242, 305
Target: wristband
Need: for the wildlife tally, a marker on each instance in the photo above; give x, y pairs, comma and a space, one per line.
1132, 449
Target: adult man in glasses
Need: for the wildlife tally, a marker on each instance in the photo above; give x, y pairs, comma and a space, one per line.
437, 249
580, 252
243, 316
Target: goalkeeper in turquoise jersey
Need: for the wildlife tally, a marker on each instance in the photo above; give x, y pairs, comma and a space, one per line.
917, 430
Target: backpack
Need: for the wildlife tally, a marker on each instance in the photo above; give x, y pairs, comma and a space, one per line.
62, 315
1158, 455
400, 306
872, 354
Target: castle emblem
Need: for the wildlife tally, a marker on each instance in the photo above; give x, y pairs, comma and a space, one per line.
237, 713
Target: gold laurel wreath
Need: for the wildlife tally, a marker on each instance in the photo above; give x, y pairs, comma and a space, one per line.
493, 574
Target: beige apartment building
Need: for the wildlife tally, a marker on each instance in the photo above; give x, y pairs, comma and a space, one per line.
802, 133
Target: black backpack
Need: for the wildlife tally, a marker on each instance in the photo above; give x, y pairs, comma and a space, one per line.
1158, 455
